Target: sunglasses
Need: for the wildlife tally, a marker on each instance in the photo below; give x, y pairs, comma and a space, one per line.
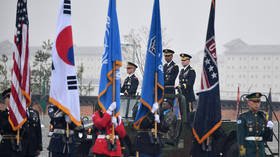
129, 68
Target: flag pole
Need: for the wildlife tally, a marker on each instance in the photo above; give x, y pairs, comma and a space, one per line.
113, 99
156, 96
17, 137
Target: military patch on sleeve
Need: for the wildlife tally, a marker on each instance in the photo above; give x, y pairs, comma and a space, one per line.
239, 121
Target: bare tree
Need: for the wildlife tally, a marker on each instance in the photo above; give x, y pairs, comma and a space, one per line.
135, 46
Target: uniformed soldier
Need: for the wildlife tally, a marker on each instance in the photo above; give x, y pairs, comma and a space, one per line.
62, 142
32, 136
131, 82
106, 143
186, 82
171, 71
169, 121
253, 129
8, 145
146, 143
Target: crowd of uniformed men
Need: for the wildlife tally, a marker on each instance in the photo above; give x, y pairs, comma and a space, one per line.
253, 127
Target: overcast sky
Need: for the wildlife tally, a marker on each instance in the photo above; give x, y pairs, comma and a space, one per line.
254, 21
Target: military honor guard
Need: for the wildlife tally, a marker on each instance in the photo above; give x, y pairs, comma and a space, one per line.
131, 82
170, 70
62, 142
107, 142
32, 137
146, 143
253, 129
8, 141
186, 82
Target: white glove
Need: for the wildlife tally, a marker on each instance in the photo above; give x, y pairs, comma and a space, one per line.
111, 108
155, 107
114, 121
157, 118
67, 119
120, 119
270, 124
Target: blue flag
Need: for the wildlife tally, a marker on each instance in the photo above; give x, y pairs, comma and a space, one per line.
208, 115
109, 86
153, 67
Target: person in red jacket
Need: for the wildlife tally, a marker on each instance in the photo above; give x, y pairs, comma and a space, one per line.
103, 121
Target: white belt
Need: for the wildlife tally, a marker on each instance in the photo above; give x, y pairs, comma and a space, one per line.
62, 131
106, 137
253, 138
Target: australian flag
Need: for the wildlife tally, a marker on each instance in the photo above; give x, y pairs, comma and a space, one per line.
208, 115
109, 85
153, 73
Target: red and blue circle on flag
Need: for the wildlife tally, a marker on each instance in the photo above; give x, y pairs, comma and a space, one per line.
64, 45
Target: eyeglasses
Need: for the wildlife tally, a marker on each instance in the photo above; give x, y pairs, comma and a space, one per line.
129, 68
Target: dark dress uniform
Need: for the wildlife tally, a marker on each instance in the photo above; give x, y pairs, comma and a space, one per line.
186, 81
145, 142
171, 71
32, 136
61, 144
8, 146
252, 133
130, 85
6, 133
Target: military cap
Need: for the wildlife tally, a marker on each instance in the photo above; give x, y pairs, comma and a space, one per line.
254, 96
169, 101
6, 93
168, 52
185, 56
130, 64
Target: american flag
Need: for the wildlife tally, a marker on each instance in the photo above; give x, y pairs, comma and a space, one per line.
20, 89
208, 116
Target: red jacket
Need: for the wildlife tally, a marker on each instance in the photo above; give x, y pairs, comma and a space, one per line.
101, 144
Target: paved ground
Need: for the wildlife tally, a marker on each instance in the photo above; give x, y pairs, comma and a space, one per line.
45, 130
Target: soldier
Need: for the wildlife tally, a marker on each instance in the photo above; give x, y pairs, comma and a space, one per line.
131, 82
32, 136
146, 143
171, 71
186, 82
169, 121
106, 143
8, 145
253, 129
62, 142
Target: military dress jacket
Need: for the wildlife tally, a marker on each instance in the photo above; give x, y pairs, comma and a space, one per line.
171, 71
5, 129
59, 142
252, 133
102, 121
186, 81
32, 137
130, 85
